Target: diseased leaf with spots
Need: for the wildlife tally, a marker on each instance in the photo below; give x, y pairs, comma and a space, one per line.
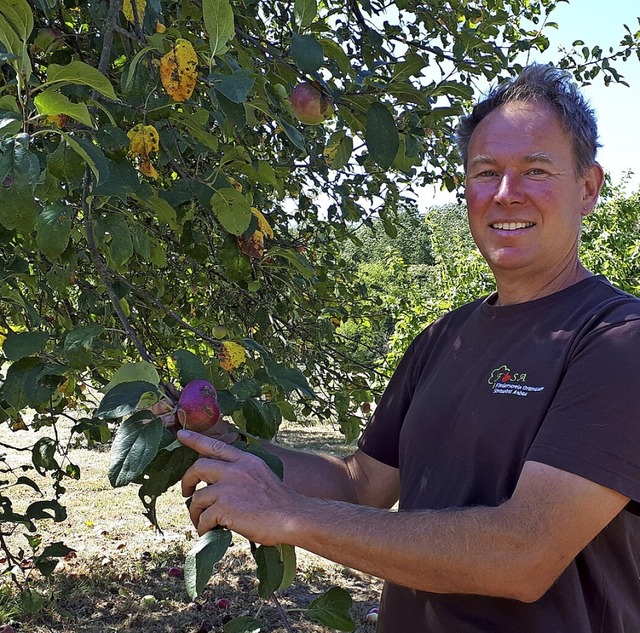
178, 70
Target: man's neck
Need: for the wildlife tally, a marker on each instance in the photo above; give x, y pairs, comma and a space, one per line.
513, 289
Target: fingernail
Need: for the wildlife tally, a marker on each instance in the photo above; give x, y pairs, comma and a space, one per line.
185, 434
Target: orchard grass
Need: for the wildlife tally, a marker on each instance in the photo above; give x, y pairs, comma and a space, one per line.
119, 558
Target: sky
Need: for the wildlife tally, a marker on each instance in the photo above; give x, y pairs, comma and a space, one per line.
617, 107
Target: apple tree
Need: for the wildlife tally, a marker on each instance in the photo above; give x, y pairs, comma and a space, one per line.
173, 208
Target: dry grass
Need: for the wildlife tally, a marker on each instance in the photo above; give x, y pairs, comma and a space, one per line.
119, 559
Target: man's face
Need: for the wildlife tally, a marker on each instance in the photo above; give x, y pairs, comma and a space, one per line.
524, 199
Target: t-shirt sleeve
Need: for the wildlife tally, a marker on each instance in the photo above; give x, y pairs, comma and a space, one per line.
592, 428
381, 437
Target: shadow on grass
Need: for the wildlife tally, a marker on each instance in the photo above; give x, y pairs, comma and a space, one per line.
94, 597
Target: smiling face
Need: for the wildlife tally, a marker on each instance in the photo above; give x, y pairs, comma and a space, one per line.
524, 199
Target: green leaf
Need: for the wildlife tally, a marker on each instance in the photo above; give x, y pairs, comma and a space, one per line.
297, 260
335, 52
338, 150
53, 230
332, 610
135, 445
305, 12
307, 53
232, 210
43, 455
243, 624
382, 138
219, 23
17, 346
51, 103
46, 510
90, 153
55, 550
20, 16
289, 378
270, 570
190, 367
123, 399
31, 601
194, 128
79, 73
78, 345
166, 469
27, 382
19, 175
288, 557
234, 87
263, 418
63, 163
164, 212
131, 372
295, 136
198, 566
119, 247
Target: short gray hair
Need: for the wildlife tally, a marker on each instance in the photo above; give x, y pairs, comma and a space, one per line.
545, 83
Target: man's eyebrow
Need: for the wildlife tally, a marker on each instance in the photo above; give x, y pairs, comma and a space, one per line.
482, 159
536, 157
539, 157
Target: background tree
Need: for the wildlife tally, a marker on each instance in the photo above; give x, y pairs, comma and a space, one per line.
165, 215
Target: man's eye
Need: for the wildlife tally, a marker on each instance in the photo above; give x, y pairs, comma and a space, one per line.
537, 172
486, 174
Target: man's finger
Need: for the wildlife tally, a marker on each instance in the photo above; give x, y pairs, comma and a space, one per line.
209, 446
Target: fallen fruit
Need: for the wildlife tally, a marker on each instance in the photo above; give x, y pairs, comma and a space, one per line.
7, 628
175, 572
148, 600
372, 616
222, 603
309, 104
198, 408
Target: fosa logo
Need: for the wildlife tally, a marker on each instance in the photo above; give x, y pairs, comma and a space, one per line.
511, 383
504, 374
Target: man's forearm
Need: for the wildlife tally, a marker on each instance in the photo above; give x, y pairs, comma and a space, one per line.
474, 551
316, 475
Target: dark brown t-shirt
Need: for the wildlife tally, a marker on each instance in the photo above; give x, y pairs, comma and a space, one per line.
483, 390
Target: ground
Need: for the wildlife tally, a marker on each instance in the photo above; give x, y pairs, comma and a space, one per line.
119, 559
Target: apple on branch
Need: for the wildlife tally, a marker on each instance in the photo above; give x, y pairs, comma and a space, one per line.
310, 105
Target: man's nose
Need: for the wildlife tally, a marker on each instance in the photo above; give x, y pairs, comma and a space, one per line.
509, 190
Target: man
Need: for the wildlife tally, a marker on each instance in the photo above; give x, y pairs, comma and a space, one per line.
510, 432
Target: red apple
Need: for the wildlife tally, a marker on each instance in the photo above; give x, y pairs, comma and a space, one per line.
309, 104
198, 408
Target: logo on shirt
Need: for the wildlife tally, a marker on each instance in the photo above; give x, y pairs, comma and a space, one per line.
508, 382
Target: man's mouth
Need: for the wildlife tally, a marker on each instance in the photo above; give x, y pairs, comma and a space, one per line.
511, 226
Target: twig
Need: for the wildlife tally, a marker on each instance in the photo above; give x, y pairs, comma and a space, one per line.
282, 613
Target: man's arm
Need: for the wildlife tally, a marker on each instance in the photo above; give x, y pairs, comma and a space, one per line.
515, 550
358, 478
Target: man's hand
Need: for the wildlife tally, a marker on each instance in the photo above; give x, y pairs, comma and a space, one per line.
242, 493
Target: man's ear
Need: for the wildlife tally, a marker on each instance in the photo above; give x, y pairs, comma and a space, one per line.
592, 182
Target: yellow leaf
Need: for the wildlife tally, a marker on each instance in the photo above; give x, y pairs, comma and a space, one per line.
178, 70
144, 139
127, 9
160, 28
263, 225
146, 167
231, 355
252, 246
